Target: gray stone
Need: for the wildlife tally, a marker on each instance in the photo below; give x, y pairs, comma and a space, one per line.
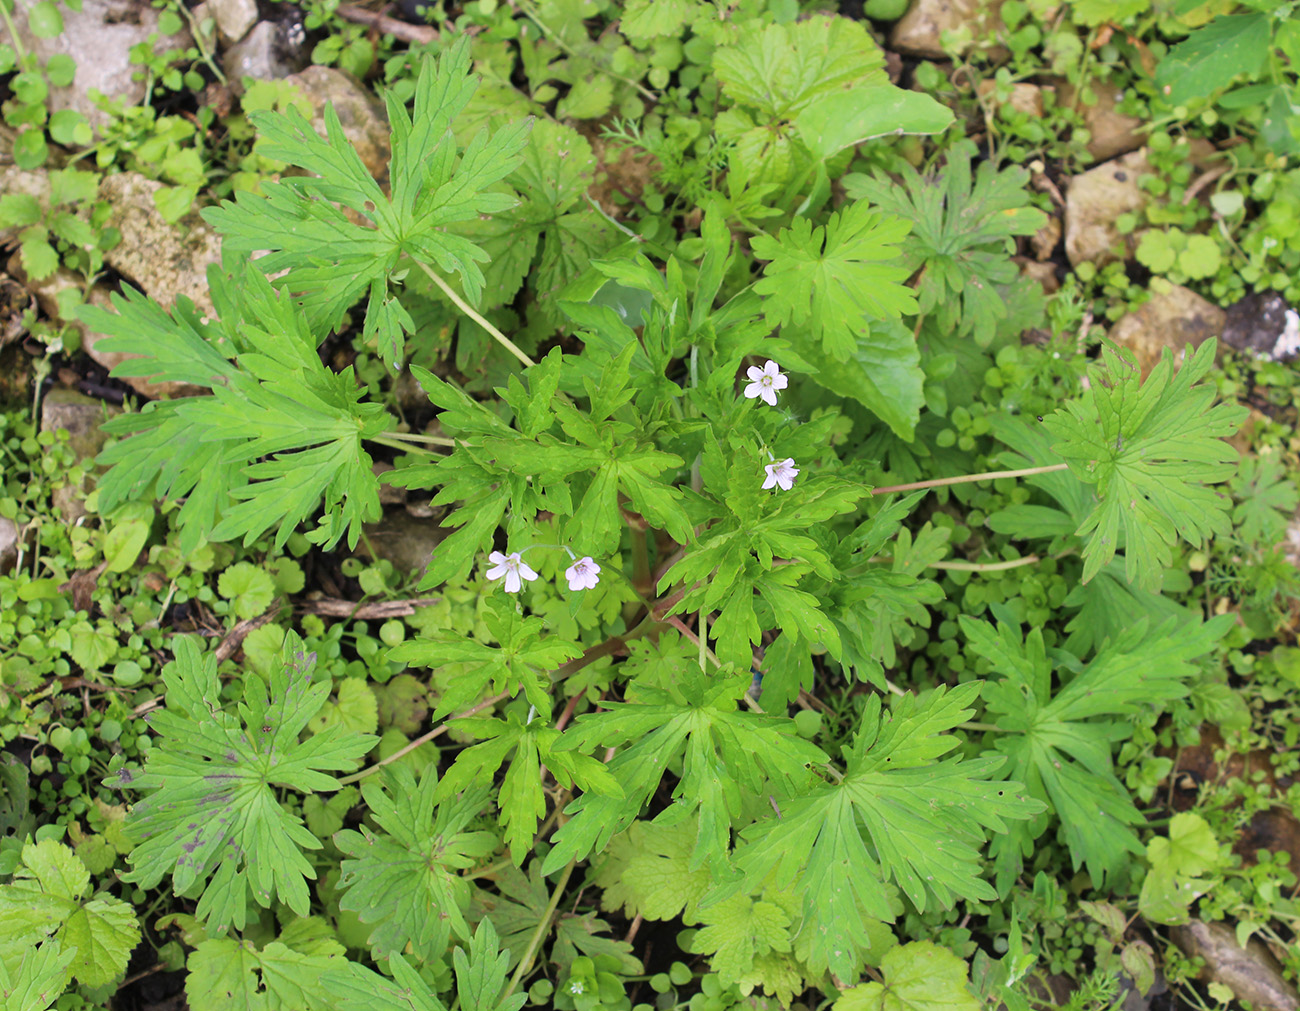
234, 18
920, 31
1263, 323
1111, 133
360, 114
99, 37
1026, 98
1093, 202
81, 416
1172, 319
261, 56
8, 543
1251, 973
163, 260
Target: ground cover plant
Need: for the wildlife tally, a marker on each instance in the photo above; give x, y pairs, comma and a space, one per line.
815, 606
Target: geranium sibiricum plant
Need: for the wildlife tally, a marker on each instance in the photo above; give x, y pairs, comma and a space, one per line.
719, 527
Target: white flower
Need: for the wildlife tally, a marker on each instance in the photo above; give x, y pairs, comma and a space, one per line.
583, 574
765, 382
780, 474
512, 567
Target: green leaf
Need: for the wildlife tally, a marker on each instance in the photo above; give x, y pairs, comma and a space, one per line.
1154, 450
924, 822
281, 435
405, 879
356, 988
831, 282
481, 974
522, 801
694, 721
174, 202
647, 872
249, 588
643, 20
355, 709
30, 149
1211, 57
738, 931
962, 227
843, 119
523, 661
70, 128
1057, 746
919, 976
211, 818
19, 209
327, 259
882, 373
1178, 862
780, 70
40, 259
31, 979
124, 542
48, 896
44, 20
230, 975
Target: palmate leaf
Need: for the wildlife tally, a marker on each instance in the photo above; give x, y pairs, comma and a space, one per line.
211, 818
551, 226
724, 754
959, 237
833, 280
330, 262
406, 879
1057, 745
919, 976
48, 898
522, 661
286, 975
1154, 450
280, 436
899, 816
480, 980
522, 800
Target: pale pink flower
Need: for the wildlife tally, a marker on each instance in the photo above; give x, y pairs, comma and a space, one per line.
512, 567
583, 574
780, 474
765, 382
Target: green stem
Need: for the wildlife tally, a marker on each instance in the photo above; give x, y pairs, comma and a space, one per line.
967, 478
431, 440
19, 51
405, 447
1015, 563
473, 314
437, 731
543, 927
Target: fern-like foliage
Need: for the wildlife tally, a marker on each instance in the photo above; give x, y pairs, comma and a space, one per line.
329, 261
1058, 740
211, 818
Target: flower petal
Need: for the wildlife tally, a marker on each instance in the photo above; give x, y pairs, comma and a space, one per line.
754, 373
